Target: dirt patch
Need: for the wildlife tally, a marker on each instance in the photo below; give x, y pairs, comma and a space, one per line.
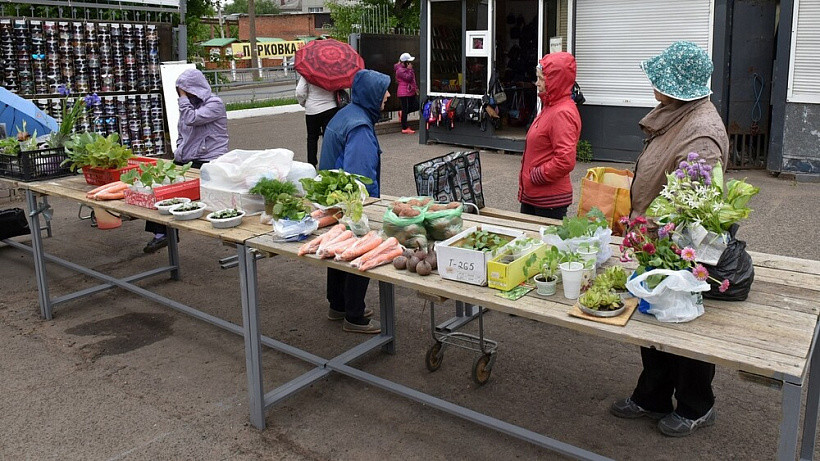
124, 333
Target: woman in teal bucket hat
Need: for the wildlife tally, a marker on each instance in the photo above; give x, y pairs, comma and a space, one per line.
685, 121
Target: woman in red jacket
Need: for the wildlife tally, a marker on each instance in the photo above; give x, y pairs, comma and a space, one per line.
544, 186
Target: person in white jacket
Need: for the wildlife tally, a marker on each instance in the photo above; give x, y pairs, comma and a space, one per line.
320, 106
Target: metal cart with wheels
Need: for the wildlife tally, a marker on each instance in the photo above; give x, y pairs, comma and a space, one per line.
446, 335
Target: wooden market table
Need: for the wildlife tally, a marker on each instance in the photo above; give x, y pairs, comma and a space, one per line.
771, 336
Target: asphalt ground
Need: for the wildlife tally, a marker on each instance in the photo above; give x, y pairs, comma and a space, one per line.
116, 377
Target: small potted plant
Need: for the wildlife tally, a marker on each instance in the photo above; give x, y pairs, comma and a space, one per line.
547, 279
164, 205
187, 211
614, 278
601, 302
571, 273
225, 219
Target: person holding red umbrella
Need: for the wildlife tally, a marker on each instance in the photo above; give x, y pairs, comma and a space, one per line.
350, 144
320, 106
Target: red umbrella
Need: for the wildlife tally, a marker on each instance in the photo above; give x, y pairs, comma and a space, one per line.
329, 64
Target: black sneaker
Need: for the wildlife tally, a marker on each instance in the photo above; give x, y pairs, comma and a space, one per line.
626, 408
675, 425
156, 244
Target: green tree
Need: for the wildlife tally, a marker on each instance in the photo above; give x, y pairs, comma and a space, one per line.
403, 14
261, 7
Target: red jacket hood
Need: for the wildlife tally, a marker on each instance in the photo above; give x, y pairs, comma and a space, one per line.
559, 76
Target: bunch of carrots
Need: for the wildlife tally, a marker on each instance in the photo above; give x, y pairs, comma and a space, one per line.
111, 191
363, 253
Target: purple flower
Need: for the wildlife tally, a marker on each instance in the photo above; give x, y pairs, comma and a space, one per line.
680, 174
683, 165
706, 167
92, 99
692, 156
663, 233
63, 90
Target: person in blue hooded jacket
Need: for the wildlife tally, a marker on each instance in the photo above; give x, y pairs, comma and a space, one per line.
350, 144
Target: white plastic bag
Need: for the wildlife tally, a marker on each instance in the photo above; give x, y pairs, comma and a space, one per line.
676, 299
293, 231
602, 237
299, 170
239, 170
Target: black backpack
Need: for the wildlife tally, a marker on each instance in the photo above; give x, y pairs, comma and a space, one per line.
342, 98
13, 222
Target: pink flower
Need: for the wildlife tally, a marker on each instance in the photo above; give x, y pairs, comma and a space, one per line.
688, 254
700, 272
649, 248
724, 286
640, 220
624, 220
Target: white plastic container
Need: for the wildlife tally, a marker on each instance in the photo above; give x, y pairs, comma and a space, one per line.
571, 276
187, 215
225, 223
163, 209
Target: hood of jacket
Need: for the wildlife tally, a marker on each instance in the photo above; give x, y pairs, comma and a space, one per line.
559, 77
194, 82
368, 91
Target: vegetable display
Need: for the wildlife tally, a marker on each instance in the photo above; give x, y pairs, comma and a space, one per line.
482, 240
366, 252
96, 151
443, 220
405, 222
281, 201
579, 226
163, 173
334, 187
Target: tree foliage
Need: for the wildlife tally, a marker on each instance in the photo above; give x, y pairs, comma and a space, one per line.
260, 7
402, 14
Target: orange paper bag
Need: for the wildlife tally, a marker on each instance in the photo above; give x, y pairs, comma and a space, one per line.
608, 190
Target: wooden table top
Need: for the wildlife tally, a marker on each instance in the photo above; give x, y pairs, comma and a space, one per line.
770, 334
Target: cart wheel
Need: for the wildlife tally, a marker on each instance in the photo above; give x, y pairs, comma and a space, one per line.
482, 370
434, 357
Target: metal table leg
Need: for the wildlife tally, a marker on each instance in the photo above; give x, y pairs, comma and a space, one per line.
173, 252
787, 447
387, 305
812, 406
37, 251
253, 340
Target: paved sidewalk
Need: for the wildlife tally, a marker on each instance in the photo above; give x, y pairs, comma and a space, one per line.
115, 377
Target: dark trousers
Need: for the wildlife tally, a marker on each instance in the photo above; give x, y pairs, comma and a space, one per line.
316, 125
158, 228
346, 292
406, 108
554, 213
665, 374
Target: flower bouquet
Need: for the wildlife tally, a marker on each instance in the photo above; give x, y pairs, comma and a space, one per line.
702, 207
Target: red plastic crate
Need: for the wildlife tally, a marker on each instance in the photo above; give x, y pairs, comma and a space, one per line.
188, 189
102, 176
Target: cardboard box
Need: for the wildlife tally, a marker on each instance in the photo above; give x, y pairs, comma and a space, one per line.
219, 199
466, 265
506, 276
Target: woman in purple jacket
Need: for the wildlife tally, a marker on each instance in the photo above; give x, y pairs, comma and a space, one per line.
408, 90
203, 134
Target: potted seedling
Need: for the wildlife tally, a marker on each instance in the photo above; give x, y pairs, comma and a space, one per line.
571, 273
188, 211
225, 219
547, 279
521, 246
165, 205
601, 302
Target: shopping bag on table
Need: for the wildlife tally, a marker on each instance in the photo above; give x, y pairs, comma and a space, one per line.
677, 298
608, 190
455, 177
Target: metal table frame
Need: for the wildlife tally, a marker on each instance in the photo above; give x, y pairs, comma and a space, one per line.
259, 401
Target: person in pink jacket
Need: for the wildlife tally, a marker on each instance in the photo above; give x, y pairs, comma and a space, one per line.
408, 90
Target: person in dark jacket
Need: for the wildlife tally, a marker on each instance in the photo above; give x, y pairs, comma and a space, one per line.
544, 186
203, 134
684, 121
350, 144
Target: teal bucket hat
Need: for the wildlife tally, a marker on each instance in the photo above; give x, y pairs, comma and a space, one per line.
682, 71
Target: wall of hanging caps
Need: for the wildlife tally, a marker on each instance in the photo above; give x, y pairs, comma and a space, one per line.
118, 61
139, 119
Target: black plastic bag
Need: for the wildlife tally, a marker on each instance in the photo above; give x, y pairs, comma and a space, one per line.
13, 222
735, 265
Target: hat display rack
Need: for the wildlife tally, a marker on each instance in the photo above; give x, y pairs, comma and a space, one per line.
119, 61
